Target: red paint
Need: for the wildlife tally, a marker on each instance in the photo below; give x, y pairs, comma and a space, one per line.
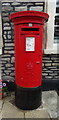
28, 64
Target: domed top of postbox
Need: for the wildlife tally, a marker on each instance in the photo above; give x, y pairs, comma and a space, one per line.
29, 17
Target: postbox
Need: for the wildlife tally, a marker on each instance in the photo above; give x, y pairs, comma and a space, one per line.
28, 37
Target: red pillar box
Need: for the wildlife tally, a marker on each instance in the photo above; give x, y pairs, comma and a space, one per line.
28, 35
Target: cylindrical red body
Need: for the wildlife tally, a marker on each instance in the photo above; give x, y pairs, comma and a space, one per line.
28, 35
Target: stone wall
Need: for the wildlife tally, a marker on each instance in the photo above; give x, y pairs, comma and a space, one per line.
50, 62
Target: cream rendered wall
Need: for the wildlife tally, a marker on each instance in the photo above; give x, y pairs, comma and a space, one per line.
1, 41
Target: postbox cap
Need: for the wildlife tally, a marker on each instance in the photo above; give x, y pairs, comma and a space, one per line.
29, 16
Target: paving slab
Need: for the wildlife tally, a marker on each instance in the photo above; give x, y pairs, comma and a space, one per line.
0, 116
47, 109
10, 111
58, 106
49, 99
42, 113
1, 102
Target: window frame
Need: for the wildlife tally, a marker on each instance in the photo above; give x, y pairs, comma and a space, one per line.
51, 47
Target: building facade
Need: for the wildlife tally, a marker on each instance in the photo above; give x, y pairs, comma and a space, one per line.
50, 63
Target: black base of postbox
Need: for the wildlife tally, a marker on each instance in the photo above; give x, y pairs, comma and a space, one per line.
28, 98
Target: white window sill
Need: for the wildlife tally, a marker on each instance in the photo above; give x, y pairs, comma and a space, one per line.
51, 51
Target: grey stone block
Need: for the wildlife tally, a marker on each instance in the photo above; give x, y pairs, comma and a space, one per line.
3, 74
47, 64
57, 77
45, 69
9, 36
46, 58
6, 19
7, 8
47, 61
12, 59
6, 24
43, 64
12, 68
55, 64
12, 74
21, 8
29, 0
29, 3
5, 55
37, 3
48, 77
2, 68
48, 71
8, 65
9, 32
7, 28
6, 4
53, 74
9, 44
4, 62
5, 32
55, 58
4, 36
8, 1
5, 14
9, 52
9, 41
5, 59
15, 3
7, 73
36, 8
6, 70
44, 74
7, 78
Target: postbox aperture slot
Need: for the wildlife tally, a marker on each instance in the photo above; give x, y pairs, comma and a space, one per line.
30, 29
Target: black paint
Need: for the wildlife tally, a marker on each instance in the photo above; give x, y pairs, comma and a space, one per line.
28, 98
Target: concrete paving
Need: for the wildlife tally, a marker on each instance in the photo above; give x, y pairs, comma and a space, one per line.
1, 103
58, 106
41, 113
46, 110
10, 111
50, 101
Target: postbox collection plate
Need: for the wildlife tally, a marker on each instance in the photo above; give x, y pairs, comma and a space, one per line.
30, 43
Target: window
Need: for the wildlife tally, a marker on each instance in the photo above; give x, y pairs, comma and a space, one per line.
56, 24
52, 45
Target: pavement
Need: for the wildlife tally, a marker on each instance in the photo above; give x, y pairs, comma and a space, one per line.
9, 110
48, 109
0, 67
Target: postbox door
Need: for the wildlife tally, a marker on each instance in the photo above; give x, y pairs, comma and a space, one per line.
29, 61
